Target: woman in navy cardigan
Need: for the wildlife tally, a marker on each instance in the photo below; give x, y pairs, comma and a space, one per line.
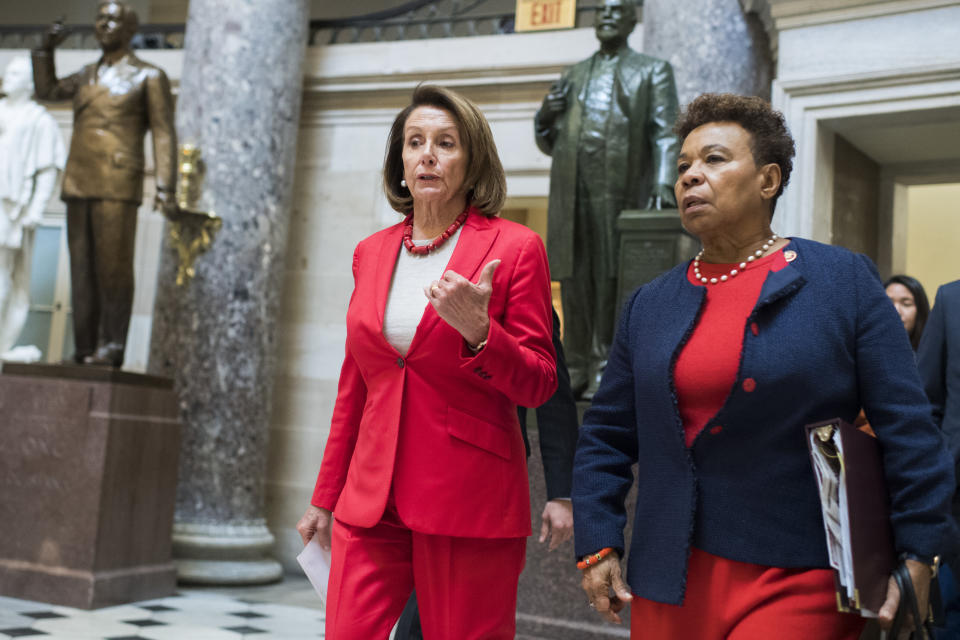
716, 368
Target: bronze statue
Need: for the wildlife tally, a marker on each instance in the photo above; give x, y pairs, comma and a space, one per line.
607, 123
115, 101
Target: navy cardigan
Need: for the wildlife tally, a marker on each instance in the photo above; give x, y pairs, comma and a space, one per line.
822, 341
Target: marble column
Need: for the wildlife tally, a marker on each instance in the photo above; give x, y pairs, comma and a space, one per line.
713, 45
239, 101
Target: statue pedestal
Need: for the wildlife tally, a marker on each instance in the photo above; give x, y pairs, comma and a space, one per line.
88, 474
651, 242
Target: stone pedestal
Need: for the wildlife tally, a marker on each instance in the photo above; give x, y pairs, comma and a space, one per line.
88, 470
713, 45
239, 102
651, 242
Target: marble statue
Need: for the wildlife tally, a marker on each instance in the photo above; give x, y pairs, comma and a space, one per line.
31, 156
608, 125
115, 101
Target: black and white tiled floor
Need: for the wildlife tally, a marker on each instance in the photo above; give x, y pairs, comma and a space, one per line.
189, 615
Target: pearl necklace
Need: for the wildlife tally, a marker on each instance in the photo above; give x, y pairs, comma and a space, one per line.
733, 272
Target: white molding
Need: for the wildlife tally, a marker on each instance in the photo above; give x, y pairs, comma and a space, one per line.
792, 14
876, 79
778, 16
806, 206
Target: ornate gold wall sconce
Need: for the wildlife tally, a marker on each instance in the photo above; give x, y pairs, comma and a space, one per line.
192, 229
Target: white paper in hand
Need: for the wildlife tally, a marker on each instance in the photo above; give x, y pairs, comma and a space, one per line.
315, 562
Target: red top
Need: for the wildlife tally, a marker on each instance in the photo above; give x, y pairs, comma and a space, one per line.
707, 367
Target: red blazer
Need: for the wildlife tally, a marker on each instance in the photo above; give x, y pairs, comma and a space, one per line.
440, 425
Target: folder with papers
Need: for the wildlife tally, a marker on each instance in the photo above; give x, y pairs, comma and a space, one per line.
848, 467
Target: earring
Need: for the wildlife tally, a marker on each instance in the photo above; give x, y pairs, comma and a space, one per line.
403, 183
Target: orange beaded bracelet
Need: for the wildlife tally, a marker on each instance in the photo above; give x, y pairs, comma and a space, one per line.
594, 558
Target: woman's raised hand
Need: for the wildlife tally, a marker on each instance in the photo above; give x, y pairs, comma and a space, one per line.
463, 304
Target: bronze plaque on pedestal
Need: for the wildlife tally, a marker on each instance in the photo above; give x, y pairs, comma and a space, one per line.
651, 242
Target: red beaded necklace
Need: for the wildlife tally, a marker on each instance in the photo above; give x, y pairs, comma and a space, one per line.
436, 242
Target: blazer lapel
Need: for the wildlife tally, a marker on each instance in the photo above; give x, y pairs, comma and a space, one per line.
386, 263
89, 91
475, 243
471, 254
782, 283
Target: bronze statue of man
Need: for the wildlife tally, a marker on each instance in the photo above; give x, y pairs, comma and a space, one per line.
115, 101
608, 125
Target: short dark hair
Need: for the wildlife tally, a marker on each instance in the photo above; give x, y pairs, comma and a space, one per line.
770, 140
920, 301
484, 174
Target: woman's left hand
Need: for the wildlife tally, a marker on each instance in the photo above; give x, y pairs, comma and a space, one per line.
463, 304
599, 580
920, 575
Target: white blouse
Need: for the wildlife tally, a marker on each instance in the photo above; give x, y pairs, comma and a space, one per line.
406, 301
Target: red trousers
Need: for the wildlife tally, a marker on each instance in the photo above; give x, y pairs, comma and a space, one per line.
731, 600
466, 587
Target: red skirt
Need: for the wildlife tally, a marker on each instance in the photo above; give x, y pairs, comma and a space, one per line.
730, 600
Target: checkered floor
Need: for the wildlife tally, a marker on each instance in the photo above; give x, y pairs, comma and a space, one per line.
189, 615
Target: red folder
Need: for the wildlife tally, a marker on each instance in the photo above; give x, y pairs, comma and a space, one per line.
856, 457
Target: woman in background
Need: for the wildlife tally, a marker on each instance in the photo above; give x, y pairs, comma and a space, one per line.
909, 298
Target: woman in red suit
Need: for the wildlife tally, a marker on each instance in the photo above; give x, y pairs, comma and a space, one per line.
424, 480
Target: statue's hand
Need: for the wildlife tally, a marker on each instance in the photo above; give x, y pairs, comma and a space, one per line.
165, 202
662, 198
55, 35
556, 101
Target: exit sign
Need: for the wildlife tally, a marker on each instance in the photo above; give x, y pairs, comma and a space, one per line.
538, 15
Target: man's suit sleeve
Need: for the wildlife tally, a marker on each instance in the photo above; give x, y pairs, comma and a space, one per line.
160, 113
344, 428
558, 428
662, 110
45, 81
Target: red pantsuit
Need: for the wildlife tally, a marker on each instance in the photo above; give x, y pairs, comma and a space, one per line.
467, 586
434, 434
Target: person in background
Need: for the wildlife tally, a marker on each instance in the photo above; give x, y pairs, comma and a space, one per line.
938, 359
716, 368
910, 300
557, 429
424, 479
